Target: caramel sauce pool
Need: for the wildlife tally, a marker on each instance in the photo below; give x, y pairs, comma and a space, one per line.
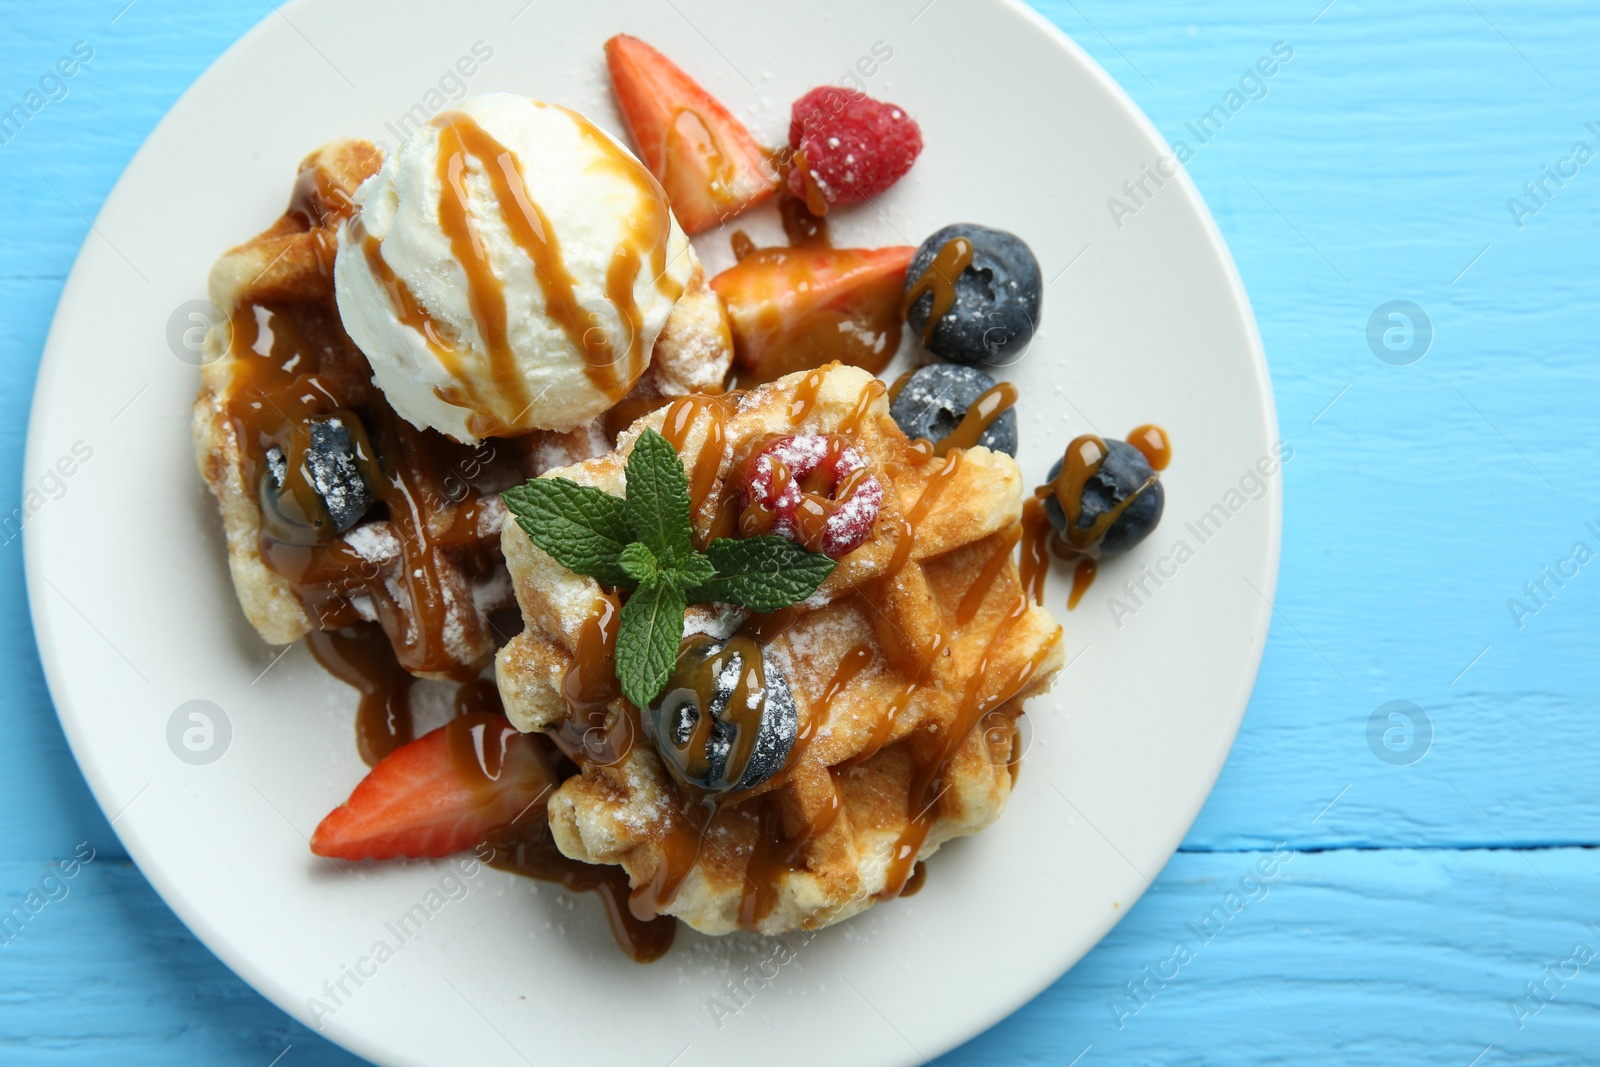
1152, 441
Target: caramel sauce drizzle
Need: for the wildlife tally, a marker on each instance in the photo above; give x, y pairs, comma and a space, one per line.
1034, 565
805, 394
653, 223
680, 845
485, 293
281, 380
980, 415
1081, 462
939, 278
684, 836
700, 663
884, 729
803, 226
919, 452
590, 686
527, 848
934, 489
278, 388
1153, 442
1082, 578
851, 424
360, 656
757, 518
613, 373
851, 664
930, 495
902, 549
524, 846
682, 415
928, 777
816, 203
742, 245
976, 593
407, 309
899, 384
777, 853
321, 207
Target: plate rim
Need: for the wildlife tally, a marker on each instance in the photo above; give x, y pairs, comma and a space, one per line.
289, 1001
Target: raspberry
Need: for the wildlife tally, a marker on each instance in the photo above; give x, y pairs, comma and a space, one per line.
855, 147
812, 489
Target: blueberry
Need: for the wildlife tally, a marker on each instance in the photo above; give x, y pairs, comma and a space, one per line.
709, 675
335, 472
327, 494
933, 401
1123, 473
997, 297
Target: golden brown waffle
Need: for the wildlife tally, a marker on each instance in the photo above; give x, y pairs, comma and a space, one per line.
943, 644
286, 273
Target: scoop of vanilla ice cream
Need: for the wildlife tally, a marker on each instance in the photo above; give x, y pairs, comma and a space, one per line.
508, 269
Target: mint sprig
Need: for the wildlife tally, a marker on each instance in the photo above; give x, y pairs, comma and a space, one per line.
644, 543
761, 573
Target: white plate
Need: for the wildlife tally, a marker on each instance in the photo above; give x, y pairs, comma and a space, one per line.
135, 615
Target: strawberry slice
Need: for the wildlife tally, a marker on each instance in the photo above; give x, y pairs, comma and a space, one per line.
705, 159
442, 793
797, 308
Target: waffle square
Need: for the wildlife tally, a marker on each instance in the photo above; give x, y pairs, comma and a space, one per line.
909, 665
284, 276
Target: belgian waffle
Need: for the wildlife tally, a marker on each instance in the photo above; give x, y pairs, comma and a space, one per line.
909, 666
277, 289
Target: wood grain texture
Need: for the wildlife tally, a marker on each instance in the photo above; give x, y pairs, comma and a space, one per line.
1376, 166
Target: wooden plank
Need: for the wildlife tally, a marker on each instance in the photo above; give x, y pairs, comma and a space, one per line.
1393, 956
1380, 956
1421, 498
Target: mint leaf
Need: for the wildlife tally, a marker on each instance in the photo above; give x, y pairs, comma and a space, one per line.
647, 641
583, 528
690, 571
640, 563
658, 496
761, 573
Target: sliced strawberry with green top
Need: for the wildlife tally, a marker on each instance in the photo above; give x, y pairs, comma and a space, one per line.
705, 159
442, 793
797, 308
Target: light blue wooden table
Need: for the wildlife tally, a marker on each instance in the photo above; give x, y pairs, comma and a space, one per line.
1443, 910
